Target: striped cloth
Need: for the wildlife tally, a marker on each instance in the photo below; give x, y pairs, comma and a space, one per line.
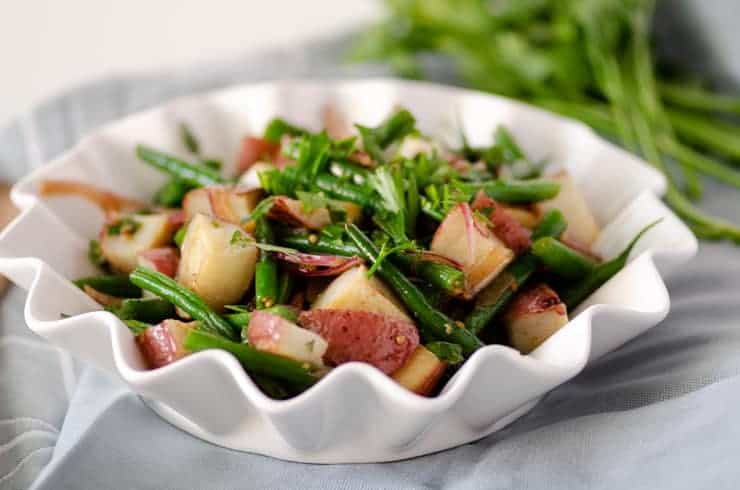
658, 413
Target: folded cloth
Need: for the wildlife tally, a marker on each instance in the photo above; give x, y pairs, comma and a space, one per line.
657, 413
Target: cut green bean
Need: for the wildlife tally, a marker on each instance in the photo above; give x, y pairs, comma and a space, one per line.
254, 361
148, 310
136, 327
266, 271
516, 191
192, 304
573, 294
432, 324
194, 175
285, 286
552, 224
171, 194
562, 260
115, 285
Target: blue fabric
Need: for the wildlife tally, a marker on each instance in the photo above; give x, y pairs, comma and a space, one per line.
658, 413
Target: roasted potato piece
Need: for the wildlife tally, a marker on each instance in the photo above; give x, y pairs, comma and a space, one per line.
582, 227
122, 239
466, 239
226, 203
353, 290
274, 334
163, 343
533, 316
421, 372
218, 261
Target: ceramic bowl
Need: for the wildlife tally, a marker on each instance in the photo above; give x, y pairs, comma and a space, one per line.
355, 414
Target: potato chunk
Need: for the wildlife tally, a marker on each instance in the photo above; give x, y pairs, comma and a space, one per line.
226, 203
353, 290
421, 372
123, 239
466, 239
162, 344
274, 334
533, 316
582, 227
218, 261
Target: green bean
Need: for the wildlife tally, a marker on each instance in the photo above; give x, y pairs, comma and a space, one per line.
290, 178
494, 297
180, 235
562, 260
573, 294
432, 324
266, 271
194, 175
279, 127
552, 224
240, 319
722, 138
253, 360
171, 194
136, 327
148, 310
442, 276
168, 289
516, 191
344, 169
118, 286
285, 286
692, 97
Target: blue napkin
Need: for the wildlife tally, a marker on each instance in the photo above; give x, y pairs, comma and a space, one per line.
658, 413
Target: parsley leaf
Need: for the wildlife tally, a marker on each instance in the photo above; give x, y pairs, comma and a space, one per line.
126, 225
279, 127
189, 139
95, 254
375, 140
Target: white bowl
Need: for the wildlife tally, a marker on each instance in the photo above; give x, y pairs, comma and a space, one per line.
355, 414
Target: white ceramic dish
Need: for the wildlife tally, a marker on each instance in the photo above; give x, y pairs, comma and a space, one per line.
355, 414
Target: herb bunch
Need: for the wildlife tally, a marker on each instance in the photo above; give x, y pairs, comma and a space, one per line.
587, 59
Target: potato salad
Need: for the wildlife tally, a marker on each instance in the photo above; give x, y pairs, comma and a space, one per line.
370, 244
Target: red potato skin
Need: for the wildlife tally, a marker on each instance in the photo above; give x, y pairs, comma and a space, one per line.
253, 149
164, 260
264, 330
158, 346
380, 340
536, 299
505, 227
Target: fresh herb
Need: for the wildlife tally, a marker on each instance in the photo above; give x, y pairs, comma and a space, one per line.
260, 210
587, 59
124, 226
95, 254
278, 127
189, 139
395, 128
179, 236
446, 352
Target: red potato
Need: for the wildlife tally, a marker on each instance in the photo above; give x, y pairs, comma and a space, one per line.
465, 238
146, 231
582, 227
505, 227
254, 149
163, 260
226, 203
275, 334
383, 341
421, 372
533, 316
292, 212
354, 290
162, 344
